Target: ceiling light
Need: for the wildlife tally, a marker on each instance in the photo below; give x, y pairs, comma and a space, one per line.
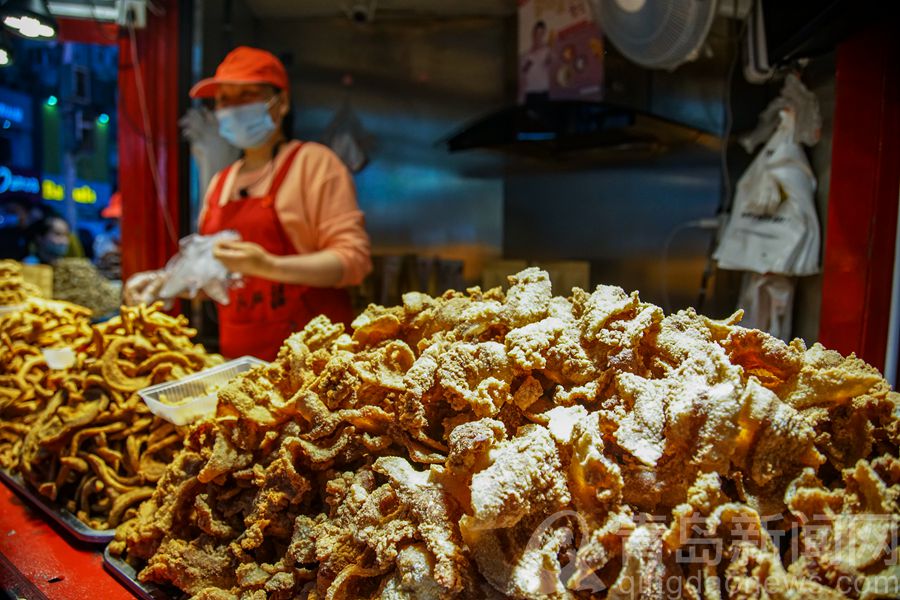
6, 54
29, 19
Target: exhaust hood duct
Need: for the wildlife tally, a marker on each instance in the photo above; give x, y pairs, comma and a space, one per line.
572, 126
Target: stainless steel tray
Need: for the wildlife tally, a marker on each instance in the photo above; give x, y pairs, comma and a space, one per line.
62, 517
127, 576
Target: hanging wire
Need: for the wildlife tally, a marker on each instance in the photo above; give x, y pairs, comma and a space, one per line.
725, 199
709, 224
726, 104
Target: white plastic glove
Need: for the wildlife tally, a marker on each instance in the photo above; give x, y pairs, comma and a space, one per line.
195, 268
143, 287
210, 150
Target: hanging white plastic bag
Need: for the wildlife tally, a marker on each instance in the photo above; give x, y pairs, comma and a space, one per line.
209, 149
194, 268
794, 95
773, 226
768, 303
348, 139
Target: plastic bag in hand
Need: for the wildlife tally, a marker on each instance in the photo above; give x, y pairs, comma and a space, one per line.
143, 288
195, 268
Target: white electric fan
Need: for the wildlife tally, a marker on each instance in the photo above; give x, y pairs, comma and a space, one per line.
658, 34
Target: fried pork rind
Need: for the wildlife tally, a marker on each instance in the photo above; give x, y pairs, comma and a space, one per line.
82, 437
483, 444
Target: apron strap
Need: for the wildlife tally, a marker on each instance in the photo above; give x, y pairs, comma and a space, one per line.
214, 196
268, 200
283, 171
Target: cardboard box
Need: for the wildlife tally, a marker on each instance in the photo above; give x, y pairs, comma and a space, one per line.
41, 277
496, 271
566, 274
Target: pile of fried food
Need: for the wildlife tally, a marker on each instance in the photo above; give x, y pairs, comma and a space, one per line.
14, 290
82, 436
519, 445
26, 383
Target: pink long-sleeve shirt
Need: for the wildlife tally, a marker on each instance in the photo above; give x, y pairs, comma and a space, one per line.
316, 204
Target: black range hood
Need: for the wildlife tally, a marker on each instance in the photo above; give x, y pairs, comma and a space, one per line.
561, 127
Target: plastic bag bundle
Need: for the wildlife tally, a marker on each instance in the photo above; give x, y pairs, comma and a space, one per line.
209, 149
768, 303
773, 226
795, 96
348, 139
194, 268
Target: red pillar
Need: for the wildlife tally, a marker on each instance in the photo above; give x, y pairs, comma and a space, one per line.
863, 197
147, 242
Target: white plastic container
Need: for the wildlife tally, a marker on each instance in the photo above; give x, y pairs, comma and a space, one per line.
194, 396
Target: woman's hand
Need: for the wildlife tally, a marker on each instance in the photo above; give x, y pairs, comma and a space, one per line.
143, 287
245, 258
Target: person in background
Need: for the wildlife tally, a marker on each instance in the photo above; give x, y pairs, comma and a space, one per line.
16, 217
50, 239
535, 65
303, 239
107, 244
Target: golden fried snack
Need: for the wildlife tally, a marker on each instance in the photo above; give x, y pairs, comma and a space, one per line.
519, 445
26, 382
13, 289
82, 437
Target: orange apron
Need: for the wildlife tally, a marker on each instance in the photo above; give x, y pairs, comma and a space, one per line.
263, 313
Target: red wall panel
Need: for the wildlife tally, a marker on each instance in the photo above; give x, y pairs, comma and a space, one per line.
863, 197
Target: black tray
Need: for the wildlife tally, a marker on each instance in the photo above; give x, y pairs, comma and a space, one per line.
62, 517
127, 576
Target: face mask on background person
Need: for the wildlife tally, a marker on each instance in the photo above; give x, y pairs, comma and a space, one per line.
51, 251
246, 126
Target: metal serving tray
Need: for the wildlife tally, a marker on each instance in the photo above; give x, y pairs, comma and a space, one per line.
127, 576
191, 398
62, 517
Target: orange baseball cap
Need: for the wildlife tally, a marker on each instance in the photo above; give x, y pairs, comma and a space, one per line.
114, 208
244, 65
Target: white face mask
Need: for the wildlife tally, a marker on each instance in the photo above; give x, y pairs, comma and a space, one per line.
246, 126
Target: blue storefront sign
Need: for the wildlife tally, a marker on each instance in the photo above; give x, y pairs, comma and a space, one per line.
18, 182
12, 113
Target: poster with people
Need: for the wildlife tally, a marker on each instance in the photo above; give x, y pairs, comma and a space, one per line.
560, 51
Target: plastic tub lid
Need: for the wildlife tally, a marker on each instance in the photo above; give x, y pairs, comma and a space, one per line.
195, 396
